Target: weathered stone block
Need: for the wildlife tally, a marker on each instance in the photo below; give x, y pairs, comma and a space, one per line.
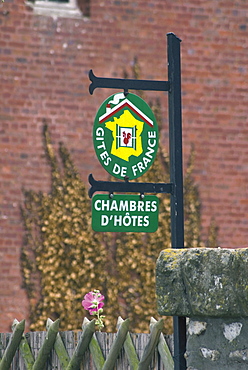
217, 344
203, 282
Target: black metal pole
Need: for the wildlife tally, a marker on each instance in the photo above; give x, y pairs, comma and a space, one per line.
176, 177
173, 86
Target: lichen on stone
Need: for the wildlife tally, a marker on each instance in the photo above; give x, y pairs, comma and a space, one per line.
203, 282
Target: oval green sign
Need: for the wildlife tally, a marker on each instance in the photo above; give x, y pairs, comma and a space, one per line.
125, 136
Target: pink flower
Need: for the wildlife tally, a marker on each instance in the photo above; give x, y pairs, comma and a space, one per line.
93, 301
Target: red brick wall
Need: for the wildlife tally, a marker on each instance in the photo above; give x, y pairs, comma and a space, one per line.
44, 63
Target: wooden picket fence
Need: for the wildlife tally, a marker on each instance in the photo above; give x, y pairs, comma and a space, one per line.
86, 349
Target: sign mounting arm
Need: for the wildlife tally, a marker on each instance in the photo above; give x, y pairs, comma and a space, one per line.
126, 84
128, 187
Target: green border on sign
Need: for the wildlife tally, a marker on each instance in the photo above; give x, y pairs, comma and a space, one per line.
125, 213
125, 136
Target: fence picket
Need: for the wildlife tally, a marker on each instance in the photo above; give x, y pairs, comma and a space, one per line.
117, 346
95, 349
156, 330
60, 348
25, 349
82, 346
12, 346
47, 346
164, 350
129, 349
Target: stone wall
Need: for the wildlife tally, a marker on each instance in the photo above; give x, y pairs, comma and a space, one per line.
217, 344
210, 287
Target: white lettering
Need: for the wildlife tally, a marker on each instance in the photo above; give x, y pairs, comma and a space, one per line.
123, 171
154, 206
108, 160
114, 206
105, 205
104, 220
140, 206
140, 166
117, 220
99, 131
148, 204
127, 220
150, 143
134, 220
127, 206
134, 169
152, 134
123, 205
104, 155
120, 170
96, 205
116, 169
101, 146
148, 154
140, 220
132, 205
146, 160
146, 221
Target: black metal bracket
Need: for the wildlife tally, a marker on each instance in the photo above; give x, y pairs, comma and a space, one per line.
126, 84
128, 187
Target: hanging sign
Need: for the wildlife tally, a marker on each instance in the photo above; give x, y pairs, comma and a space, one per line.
123, 212
125, 136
